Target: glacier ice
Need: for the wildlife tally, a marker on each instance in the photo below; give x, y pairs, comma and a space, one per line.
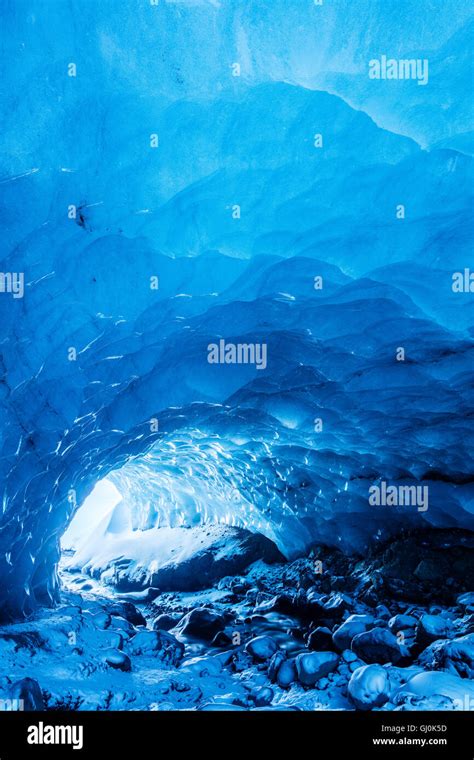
135, 260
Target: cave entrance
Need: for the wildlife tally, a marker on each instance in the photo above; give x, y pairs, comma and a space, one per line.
164, 518
96, 507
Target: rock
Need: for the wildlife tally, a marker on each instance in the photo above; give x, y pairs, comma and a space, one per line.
330, 607
286, 674
108, 639
377, 646
465, 625
402, 623
261, 696
417, 566
158, 644
369, 687
349, 656
315, 665
101, 620
122, 624
466, 601
202, 623
203, 666
456, 656
206, 554
164, 622
221, 639
28, 694
128, 611
432, 683
320, 639
275, 662
236, 584
268, 605
354, 624
117, 660
261, 648
430, 628
382, 612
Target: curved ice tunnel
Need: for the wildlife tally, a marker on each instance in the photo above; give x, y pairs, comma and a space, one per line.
233, 443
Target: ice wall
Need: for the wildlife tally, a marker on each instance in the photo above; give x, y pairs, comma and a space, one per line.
157, 203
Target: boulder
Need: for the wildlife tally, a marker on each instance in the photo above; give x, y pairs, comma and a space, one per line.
417, 567
320, 639
203, 666
466, 601
157, 644
128, 611
261, 648
117, 660
101, 620
402, 623
315, 665
164, 622
122, 624
221, 639
173, 559
261, 696
354, 624
377, 646
326, 607
456, 656
369, 687
275, 662
287, 674
202, 622
432, 683
28, 694
431, 628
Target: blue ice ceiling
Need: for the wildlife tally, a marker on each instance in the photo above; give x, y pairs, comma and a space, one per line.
178, 174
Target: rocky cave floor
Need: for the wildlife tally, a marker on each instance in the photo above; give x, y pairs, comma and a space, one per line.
394, 631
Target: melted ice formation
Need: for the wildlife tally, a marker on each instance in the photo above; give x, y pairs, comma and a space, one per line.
102, 372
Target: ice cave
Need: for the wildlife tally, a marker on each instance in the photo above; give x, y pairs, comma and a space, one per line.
189, 179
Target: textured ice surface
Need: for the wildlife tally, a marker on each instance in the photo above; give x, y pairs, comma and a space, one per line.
92, 355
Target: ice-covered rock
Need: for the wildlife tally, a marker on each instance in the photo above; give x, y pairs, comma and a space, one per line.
157, 644
117, 660
171, 559
202, 666
456, 656
369, 687
433, 683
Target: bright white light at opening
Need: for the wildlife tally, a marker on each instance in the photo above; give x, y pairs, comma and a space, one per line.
98, 504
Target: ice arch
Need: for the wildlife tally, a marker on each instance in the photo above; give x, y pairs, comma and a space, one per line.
92, 355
